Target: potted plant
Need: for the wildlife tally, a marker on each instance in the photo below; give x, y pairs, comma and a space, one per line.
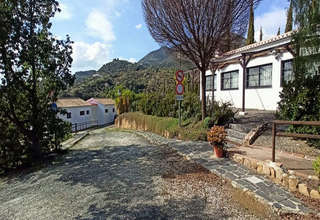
217, 137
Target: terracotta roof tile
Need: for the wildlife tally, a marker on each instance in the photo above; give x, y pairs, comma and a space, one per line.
71, 102
261, 43
103, 101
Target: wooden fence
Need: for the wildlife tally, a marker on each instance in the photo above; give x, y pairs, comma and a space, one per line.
295, 135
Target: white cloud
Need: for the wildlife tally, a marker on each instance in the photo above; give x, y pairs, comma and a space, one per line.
270, 23
138, 26
90, 56
65, 13
131, 60
99, 26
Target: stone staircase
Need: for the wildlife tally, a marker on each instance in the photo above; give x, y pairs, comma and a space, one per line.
236, 134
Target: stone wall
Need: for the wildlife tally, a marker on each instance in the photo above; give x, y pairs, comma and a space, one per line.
277, 174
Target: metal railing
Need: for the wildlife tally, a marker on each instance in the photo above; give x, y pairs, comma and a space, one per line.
295, 135
84, 125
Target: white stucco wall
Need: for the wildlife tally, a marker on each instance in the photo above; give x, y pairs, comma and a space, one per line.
76, 118
103, 117
256, 98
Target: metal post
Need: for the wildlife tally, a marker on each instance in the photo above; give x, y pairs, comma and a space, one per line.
274, 132
244, 67
180, 113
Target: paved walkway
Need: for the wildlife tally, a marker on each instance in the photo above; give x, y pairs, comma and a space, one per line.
280, 200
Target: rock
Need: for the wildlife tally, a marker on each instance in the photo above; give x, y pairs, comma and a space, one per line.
291, 172
272, 173
285, 180
254, 164
315, 194
303, 189
293, 183
266, 170
260, 169
247, 163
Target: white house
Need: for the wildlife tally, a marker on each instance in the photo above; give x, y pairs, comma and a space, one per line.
105, 110
251, 77
84, 114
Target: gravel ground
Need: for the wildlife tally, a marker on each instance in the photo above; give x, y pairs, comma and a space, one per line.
118, 175
287, 144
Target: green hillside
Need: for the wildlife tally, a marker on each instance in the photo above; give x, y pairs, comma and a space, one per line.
138, 77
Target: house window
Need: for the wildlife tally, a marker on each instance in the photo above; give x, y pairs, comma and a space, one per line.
81, 113
287, 72
106, 111
259, 77
209, 82
69, 115
88, 112
230, 80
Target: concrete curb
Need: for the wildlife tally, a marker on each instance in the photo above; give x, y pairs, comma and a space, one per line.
75, 141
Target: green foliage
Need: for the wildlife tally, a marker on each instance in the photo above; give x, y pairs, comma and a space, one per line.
166, 126
250, 37
316, 166
34, 68
289, 18
221, 113
279, 31
208, 122
300, 98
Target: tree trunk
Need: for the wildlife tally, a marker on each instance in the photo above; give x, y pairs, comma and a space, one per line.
36, 148
203, 94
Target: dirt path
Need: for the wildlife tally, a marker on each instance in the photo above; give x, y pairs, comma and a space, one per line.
118, 175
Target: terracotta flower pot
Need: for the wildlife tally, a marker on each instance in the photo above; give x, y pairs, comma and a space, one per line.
218, 151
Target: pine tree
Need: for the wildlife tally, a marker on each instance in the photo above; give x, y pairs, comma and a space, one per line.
279, 32
250, 37
261, 34
289, 19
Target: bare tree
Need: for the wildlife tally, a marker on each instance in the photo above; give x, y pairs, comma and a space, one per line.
196, 27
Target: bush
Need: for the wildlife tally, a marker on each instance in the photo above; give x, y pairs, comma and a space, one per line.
221, 113
165, 125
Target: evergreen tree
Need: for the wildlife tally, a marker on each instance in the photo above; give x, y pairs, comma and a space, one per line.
289, 18
300, 98
261, 34
34, 68
279, 32
250, 37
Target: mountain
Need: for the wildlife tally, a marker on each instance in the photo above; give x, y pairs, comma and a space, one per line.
167, 58
82, 75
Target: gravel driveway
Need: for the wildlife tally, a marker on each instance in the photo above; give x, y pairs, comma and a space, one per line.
118, 175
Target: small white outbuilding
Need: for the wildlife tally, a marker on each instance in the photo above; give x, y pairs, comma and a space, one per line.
85, 114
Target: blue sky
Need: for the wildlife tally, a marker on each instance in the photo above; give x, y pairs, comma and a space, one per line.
107, 29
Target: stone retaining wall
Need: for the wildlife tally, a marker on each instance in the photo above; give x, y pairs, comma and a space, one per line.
277, 174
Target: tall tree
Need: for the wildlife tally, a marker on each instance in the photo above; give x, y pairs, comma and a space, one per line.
250, 36
34, 68
261, 34
195, 28
289, 18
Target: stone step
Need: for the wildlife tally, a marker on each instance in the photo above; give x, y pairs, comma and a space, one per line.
233, 142
241, 127
236, 134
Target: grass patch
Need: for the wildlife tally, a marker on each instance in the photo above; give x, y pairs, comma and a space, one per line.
169, 127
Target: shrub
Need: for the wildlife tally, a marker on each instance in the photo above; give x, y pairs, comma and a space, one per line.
208, 122
221, 113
